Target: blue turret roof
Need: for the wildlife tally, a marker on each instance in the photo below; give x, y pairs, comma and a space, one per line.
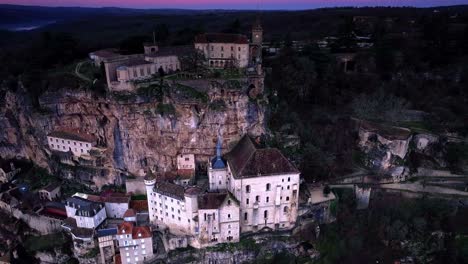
218, 162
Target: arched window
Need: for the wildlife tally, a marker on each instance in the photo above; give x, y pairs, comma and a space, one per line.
265, 214
229, 202
286, 209
268, 186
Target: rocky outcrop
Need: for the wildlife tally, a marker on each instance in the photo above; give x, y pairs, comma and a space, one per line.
386, 148
400, 152
137, 136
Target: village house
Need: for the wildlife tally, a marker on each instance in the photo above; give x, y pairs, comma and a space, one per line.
87, 214
135, 243
50, 192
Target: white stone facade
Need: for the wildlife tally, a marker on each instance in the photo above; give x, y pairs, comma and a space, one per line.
65, 144
219, 54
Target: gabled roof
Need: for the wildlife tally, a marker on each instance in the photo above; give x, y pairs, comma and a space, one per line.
73, 135
84, 207
247, 161
214, 200
170, 189
129, 213
221, 38
141, 232
136, 231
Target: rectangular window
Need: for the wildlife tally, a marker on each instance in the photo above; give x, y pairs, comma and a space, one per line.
245, 216
247, 189
232, 48
257, 198
247, 201
268, 199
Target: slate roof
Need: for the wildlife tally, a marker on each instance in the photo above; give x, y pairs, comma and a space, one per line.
83, 206
221, 38
218, 163
73, 135
106, 232
247, 161
170, 189
214, 200
211, 200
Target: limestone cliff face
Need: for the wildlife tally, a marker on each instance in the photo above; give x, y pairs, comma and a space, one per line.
136, 135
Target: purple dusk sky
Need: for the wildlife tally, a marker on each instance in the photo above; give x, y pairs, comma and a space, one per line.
234, 4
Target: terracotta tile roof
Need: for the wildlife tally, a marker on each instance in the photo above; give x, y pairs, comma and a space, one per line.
129, 213
170, 189
139, 205
136, 231
214, 200
73, 135
246, 161
125, 228
141, 232
221, 38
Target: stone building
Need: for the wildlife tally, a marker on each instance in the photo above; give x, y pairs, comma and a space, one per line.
106, 240
135, 243
218, 215
50, 192
88, 214
264, 182
224, 50
71, 141
250, 189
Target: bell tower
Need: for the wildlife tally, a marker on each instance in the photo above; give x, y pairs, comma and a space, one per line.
257, 33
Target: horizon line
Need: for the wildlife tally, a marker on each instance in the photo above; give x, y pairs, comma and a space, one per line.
237, 9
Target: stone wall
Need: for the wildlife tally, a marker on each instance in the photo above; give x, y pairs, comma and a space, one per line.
42, 224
